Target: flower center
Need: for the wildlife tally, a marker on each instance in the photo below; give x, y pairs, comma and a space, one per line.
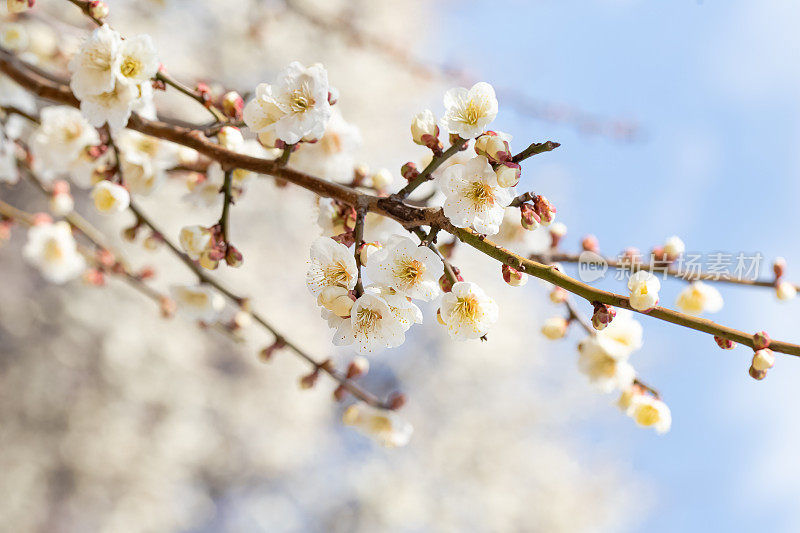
468, 308
409, 271
480, 193
331, 143
380, 424
104, 200
300, 100
196, 299
367, 319
647, 415
53, 252
336, 274
131, 67
72, 131
471, 113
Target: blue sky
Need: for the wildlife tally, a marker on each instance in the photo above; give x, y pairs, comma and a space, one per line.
715, 86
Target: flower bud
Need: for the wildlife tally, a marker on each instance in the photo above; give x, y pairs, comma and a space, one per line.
232, 105
167, 306
785, 290
396, 400
602, 316
779, 267
445, 284
763, 359
358, 367
530, 220
94, 276
340, 393
514, 277
98, 9
725, 344
558, 295
208, 261
409, 171
18, 6
425, 131
230, 137
590, 244
233, 257
337, 300
309, 380
761, 340
333, 95
555, 328
757, 374
493, 147
367, 249
557, 232
266, 353
545, 210
508, 174
41, 219
673, 247
61, 204
382, 179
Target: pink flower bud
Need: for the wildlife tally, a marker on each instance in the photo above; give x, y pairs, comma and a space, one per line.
167, 306
493, 147
725, 344
98, 9
94, 276
357, 367
590, 244
779, 267
530, 219
513, 277
456, 140
409, 171
602, 316
333, 95
761, 340
445, 284
233, 257
757, 374
544, 209
232, 105
508, 174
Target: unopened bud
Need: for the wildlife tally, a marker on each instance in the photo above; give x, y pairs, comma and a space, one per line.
357, 367
382, 179
757, 374
396, 400
763, 359
530, 220
602, 316
230, 137
151, 243
93, 276
98, 9
557, 232
242, 320
590, 244
207, 261
558, 295
340, 393
146, 273
61, 204
232, 105
367, 250
309, 380
761, 340
233, 257
493, 147
129, 234
445, 284
545, 210
409, 171
785, 290
337, 300
555, 328
779, 267
425, 131
266, 353
42, 219
167, 306
18, 6
514, 277
725, 344
508, 174
333, 95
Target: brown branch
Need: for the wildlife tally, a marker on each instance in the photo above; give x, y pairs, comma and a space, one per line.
435, 163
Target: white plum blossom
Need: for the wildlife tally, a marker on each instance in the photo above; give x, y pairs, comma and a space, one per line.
113, 107
331, 264
473, 196
468, 112
699, 298
194, 240
386, 427
296, 107
403, 309
52, 249
94, 68
644, 287
467, 311
372, 326
138, 147
138, 60
61, 140
622, 336
408, 268
141, 177
605, 370
674, 246
110, 198
198, 302
648, 411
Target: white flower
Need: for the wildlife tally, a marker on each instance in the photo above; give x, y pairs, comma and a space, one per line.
331, 263
555, 328
603, 369
295, 108
382, 179
474, 198
113, 107
763, 359
8, 160
61, 140
650, 412
644, 288
424, 130
673, 247
198, 302
372, 326
14, 37
386, 427
18, 6
52, 249
467, 311
110, 198
622, 336
138, 61
407, 268
94, 68
785, 290
699, 298
230, 138
139, 147
402, 308
194, 240
141, 176
468, 112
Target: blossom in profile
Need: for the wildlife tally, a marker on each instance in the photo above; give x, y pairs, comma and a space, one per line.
372, 326
467, 311
474, 198
643, 287
110, 198
386, 427
198, 302
469, 111
607, 371
699, 298
295, 107
331, 264
52, 249
407, 268
424, 130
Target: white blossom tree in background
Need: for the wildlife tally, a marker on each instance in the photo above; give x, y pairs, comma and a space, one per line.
162, 428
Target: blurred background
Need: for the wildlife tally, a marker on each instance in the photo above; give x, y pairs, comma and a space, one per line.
673, 119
